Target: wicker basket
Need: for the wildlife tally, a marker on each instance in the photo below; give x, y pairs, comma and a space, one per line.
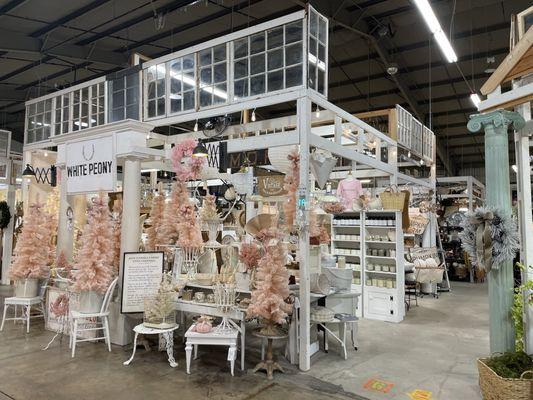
392, 199
494, 387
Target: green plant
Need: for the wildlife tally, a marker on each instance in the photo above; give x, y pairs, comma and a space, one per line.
510, 365
517, 310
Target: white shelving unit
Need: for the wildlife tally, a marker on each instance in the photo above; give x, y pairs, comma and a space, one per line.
372, 244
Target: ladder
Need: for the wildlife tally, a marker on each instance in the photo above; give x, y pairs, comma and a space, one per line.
445, 285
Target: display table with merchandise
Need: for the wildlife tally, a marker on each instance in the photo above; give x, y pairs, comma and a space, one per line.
210, 309
214, 338
167, 336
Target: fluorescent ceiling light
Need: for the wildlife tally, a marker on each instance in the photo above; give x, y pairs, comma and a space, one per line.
463, 209
475, 99
365, 180
434, 27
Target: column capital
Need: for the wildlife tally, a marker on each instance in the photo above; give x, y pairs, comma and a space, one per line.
498, 118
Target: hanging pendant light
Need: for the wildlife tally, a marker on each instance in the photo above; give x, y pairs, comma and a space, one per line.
200, 150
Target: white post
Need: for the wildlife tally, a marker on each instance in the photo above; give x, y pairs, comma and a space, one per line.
153, 180
129, 241
303, 111
338, 129
523, 178
7, 248
65, 233
470, 189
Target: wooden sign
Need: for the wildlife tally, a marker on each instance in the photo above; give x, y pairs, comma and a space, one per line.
271, 185
141, 278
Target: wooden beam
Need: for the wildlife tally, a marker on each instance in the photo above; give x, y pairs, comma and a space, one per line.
507, 65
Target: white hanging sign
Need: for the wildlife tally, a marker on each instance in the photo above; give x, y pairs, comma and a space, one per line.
91, 166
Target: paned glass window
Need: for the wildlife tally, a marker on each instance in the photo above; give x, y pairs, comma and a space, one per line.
317, 47
213, 76
123, 97
182, 77
268, 61
155, 80
39, 121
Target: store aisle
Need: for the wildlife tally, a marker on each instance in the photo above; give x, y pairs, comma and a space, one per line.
433, 350
27, 372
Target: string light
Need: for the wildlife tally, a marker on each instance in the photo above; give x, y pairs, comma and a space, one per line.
409, 154
317, 112
148, 137
196, 126
46, 154
253, 115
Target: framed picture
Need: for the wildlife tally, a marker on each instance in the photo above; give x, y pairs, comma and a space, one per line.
141, 278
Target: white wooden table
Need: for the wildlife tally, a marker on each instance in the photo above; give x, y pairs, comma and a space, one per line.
213, 338
212, 310
168, 338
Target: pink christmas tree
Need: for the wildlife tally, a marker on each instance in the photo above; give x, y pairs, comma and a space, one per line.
190, 233
249, 255
63, 265
32, 252
96, 256
156, 219
292, 180
169, 230
272, 283
117, 232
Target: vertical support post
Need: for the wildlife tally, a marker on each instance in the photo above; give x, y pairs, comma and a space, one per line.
338, 129
470, 190
65, 233
7, 247
153, 180
25, 186
303, 112
500, 279
129, 240
392, 160
525, 219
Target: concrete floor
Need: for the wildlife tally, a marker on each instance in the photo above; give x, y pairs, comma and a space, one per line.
434, 350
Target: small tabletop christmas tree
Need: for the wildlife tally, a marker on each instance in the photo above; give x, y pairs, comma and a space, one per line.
32, 252
96, 256
208, 212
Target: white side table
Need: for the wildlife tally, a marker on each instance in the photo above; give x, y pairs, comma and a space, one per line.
211, 338
342, 334
168, 338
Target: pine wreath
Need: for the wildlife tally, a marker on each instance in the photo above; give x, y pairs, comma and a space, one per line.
490, 237
5, 215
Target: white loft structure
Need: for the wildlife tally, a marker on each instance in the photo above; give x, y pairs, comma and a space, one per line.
517, 69
283, 61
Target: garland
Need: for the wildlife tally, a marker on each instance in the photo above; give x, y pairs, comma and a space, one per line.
185, 165
490, 237
5, 215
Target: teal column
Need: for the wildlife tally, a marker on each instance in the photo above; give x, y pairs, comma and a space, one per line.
498, 195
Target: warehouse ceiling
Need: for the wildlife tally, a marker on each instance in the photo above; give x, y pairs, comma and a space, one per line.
48, 45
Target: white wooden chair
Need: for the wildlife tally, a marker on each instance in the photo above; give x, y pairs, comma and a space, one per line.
26, 303
76, 317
